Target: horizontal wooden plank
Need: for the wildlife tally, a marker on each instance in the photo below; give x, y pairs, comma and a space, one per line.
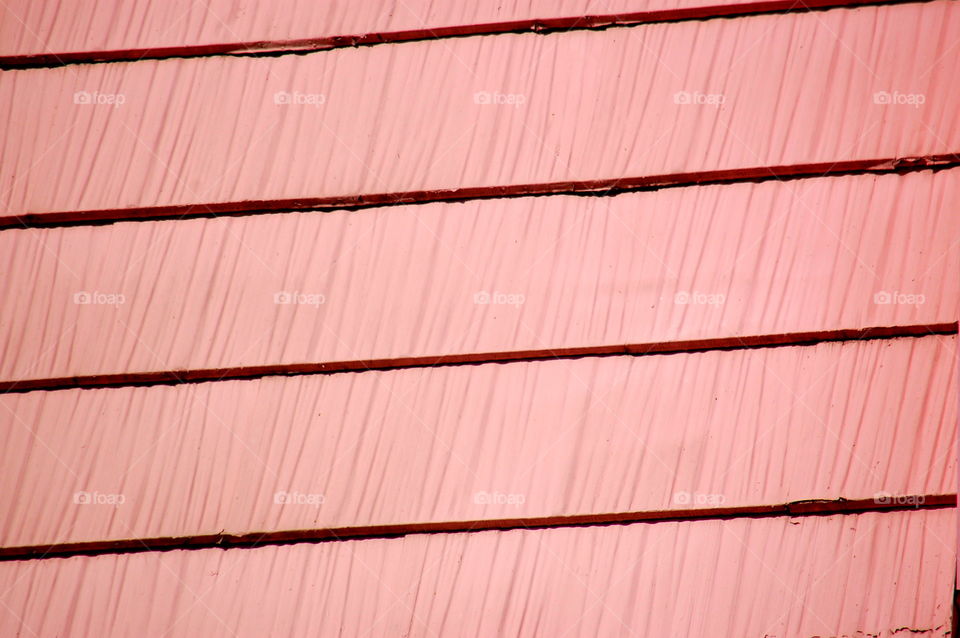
483, 112
722, 261
523, 440
774, 577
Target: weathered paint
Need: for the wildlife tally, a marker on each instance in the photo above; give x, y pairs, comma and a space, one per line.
869, 574
487, 111
486, 276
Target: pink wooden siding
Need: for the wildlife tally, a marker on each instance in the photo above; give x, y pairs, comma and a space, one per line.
699, 262
874, 574
60, 26
573, 437
479, 319
796, 89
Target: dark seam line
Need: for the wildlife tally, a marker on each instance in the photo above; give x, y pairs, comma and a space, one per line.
813, 507
212, 375
543, 26
584, 188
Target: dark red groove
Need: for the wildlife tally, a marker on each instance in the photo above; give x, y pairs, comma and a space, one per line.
597, 187
535, 25
176, 377
288, 537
